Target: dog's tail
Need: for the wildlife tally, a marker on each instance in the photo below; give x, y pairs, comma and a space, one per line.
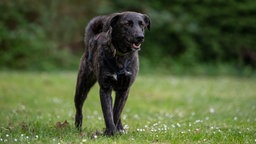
93, 28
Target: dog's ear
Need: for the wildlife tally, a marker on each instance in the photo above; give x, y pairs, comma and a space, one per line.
111, 22
114, 20
147, 21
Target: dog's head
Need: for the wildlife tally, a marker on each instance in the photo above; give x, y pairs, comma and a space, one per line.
128, 30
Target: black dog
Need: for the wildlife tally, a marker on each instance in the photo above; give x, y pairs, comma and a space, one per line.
111, 57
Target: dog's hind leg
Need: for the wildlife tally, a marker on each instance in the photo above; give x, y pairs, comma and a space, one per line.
85, 81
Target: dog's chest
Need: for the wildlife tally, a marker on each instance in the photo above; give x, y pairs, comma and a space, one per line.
123, 82
117, 73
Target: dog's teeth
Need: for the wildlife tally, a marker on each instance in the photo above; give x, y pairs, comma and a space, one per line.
136, 46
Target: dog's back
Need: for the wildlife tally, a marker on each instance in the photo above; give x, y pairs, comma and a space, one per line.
93, 28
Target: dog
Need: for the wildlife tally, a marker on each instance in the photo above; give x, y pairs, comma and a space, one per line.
110, 58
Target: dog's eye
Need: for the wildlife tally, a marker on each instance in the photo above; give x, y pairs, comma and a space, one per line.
129, 23
141, 24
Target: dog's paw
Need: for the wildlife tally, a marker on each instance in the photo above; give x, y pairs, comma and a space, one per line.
110, 132
121, 129
78, 122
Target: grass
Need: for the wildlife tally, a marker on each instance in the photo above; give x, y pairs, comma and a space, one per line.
160, 109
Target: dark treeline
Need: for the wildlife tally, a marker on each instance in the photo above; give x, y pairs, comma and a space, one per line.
46, 35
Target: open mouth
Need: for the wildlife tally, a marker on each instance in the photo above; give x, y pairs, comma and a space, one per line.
136, 46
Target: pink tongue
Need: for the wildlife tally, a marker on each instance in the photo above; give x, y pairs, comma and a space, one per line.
136, 46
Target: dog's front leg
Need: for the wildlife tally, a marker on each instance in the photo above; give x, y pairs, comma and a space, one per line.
121, 97
106, 105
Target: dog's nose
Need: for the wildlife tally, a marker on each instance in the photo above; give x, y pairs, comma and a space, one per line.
140, 38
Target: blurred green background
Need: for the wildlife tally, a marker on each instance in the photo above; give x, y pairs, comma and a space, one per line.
187, 36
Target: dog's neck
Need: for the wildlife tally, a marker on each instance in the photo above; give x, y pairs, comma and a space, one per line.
116, 52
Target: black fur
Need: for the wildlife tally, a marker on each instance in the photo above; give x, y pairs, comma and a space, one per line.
111, 57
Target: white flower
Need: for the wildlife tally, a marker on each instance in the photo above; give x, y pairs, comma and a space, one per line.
212, 110
140, 130
198, 121
124, 116
155, 124
126, 127
136, 116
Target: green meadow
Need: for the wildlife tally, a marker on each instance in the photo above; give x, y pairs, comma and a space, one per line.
38, 107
